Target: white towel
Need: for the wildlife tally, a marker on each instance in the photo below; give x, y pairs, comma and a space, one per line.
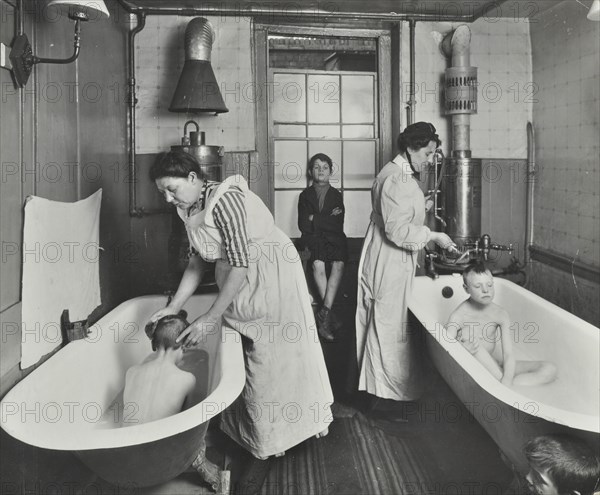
60, 270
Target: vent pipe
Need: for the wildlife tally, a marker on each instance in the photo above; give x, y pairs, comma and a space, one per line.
461, 88
197, 89
462, 187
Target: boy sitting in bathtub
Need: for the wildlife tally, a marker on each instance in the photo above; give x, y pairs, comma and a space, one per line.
483, 328
157, 387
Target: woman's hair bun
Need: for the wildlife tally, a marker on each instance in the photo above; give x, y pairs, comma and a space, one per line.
417, 135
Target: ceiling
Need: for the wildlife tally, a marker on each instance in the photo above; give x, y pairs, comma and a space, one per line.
377, 9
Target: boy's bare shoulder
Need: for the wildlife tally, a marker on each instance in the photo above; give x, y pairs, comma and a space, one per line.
184, 376
459, 311
499, 312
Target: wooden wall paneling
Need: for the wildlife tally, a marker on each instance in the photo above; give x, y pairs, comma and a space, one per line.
54, 87
103, 160
384, 77
262, 182
10, 180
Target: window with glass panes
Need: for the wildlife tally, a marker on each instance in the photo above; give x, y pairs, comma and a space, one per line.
324, 112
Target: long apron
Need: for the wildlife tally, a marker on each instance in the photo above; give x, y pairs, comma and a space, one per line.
387, 355
287, 396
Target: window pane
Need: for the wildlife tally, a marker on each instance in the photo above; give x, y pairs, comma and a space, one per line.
286, 212
358, 212
359, 163
324, 131
357, 99
289, 98
290, 131
290, 164
358, 131
323, 92
333, 149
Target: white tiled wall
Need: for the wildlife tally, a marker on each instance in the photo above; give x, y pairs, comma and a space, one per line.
501, 51
159, 60
566, 59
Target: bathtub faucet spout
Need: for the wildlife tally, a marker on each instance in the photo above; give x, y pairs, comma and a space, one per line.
485, 246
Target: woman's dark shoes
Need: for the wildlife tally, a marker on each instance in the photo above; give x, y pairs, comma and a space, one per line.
324, 324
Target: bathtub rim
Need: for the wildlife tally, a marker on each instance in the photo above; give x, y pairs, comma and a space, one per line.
231, 384
509, 396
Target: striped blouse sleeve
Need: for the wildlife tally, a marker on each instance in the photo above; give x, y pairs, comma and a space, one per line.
230, 218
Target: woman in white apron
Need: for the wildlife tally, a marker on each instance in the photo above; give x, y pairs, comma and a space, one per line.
262, 295
386, 361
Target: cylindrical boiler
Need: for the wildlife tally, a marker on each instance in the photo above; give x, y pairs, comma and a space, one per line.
462, 199
210, 159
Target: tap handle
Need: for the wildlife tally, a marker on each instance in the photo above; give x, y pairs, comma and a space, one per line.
500, 247
430, 255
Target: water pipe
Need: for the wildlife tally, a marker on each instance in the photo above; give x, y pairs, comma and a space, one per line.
531, 176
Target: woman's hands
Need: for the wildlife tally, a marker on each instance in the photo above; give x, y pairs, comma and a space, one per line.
444, 241
428, 203
166, 311
336, 211
204, 325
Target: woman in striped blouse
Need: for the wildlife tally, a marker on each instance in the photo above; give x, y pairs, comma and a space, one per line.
262, 295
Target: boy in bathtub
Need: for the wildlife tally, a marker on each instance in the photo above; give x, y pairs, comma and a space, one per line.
483, 328
157, 387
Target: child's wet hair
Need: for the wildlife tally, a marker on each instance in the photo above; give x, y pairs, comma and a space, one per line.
477, 268
167, 329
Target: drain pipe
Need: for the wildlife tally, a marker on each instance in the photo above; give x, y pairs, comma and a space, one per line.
134, 211
531, 177
410, 118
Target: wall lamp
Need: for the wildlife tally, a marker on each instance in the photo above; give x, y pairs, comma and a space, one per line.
21, 55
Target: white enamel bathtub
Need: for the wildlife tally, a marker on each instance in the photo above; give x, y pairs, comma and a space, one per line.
541, 331
71, 401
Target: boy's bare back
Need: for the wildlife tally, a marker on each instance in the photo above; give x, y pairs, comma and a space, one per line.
156, 389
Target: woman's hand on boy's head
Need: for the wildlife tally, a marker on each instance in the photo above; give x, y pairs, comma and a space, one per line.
198, 331
151, 325
166, 311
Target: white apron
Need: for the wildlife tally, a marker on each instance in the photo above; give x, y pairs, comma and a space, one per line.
387, 359
287, 396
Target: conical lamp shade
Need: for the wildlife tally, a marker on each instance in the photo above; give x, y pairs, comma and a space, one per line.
594, 13
197, 89
92, 9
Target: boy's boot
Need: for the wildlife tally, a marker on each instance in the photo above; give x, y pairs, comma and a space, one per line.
324, 324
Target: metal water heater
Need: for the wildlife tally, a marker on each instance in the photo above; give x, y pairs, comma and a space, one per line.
461, 189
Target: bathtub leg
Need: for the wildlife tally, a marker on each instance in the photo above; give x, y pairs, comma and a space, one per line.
209, 472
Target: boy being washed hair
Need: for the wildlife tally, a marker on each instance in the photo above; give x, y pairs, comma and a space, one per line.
157, 387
